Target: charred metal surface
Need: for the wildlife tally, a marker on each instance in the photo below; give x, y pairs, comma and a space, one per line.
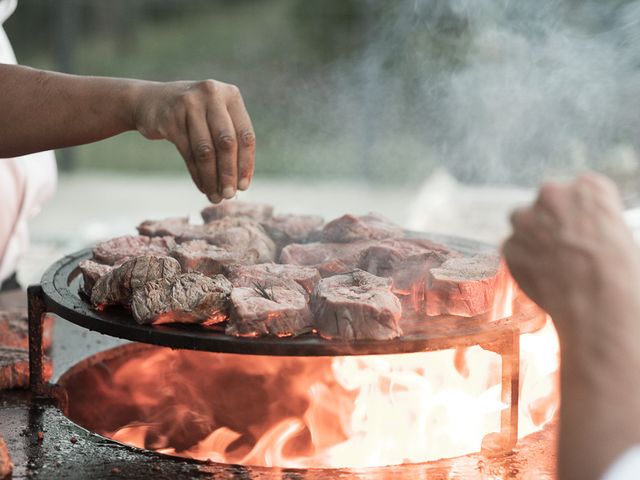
37, 309
60, 289
66, 451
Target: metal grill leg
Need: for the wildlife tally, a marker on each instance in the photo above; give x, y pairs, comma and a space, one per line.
37, 310
508, 347
510, 394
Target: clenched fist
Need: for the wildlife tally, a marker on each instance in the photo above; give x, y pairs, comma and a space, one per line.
572, 253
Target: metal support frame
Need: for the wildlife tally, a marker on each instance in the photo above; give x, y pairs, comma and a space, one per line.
508, 347
37, 311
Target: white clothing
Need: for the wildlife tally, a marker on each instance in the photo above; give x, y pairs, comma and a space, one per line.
26, 183
625, 467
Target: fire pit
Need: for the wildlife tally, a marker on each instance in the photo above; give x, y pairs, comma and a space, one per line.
313, 390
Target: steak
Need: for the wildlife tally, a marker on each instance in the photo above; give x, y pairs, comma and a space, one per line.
286, 229
172, 227
465, 286
187, 298
356, 306
117, 286
91, 272
275, 311
255, 211
328, 258
6, 467
275, 275
200, 256
406, 261
122, 248
14, 329
244, 237
350, 228
14, 368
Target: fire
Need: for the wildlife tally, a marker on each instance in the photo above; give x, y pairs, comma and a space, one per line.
359, 411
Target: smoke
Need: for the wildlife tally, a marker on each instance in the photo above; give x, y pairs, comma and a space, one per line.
493, 90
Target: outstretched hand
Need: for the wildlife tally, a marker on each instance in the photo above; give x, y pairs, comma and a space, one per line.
209, 124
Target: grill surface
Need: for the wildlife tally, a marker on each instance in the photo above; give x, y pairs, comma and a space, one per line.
61, 296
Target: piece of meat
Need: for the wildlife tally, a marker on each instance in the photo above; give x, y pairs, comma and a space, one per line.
200, 256
465, 286
117, 286
286, 229
356, 306
406, 261
14, 329
14, 368
187, 298
244, 237
121, 248
235, 208
6, 467
172, 227
351, 228
261, 310
91, 272
328, 258
275, 275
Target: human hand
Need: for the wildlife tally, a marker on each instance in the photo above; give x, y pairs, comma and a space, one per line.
209, 125
572, 253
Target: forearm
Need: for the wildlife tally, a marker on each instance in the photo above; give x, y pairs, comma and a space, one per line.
600, 405
42, 110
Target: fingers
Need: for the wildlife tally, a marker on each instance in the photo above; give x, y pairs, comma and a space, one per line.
246, 140
203, 155
179, 137
226, 145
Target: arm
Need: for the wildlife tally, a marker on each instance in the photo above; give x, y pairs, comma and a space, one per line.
572, 253
207, 121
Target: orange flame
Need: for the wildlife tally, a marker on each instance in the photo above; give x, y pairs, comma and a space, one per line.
359, 411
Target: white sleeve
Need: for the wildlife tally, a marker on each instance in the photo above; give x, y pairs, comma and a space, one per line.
625, 467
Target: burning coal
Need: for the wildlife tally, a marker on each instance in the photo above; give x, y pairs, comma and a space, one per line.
359, 411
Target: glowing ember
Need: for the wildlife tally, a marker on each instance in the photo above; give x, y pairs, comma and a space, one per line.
312, 412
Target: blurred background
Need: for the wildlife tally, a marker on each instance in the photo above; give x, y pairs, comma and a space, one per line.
441, 114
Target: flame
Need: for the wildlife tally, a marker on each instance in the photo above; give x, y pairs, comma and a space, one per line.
359, 411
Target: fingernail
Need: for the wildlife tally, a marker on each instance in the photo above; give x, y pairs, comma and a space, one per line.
215, 198
228, 192
243, 184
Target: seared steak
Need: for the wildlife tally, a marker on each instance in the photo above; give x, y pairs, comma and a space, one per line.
6, 467
200, 256
286, 229
356, 306
14, 368
244, 237
117, 286
172, 227
328, 258
406, 261
122, 248
465, 286
350, 228
273, 274
234, 208
14, 329
187, 298
268, 311
91, 272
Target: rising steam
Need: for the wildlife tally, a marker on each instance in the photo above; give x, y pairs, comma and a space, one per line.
494, 90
